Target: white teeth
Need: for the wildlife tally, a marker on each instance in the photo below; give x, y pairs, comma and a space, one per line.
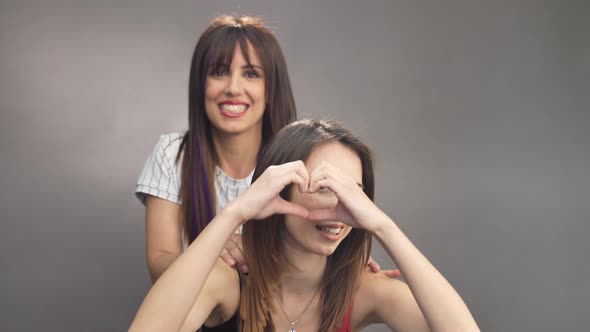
333, 230
233, 108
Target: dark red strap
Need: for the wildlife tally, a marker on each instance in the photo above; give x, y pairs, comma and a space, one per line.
346, 323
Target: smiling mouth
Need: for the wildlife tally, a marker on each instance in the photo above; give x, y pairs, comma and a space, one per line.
233, 108
330, 230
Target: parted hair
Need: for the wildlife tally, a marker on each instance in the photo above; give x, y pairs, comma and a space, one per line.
216, 47
263, 240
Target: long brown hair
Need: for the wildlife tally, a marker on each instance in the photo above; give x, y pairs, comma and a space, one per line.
262, 240
216, 47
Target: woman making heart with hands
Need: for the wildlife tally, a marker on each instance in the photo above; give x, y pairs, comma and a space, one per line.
239, 96
307, 228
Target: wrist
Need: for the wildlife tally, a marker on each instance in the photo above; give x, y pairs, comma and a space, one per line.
383, 228
232, 214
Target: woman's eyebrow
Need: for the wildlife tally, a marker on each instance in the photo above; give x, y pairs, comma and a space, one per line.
252, 66
218, 65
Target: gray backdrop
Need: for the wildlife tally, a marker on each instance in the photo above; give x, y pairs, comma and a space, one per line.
478, 112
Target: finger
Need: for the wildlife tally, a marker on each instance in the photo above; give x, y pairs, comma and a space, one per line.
323, 177
280, 174
286, 207
290, 173
322, 214
244, 269
324, 169
292, 176
227, 258
238, 254
293, 166
235, 252
321, 183
331, 177
302, 183
392, 273
236, 239
374, 265
297, 167
315, 176
302, 171
240, 260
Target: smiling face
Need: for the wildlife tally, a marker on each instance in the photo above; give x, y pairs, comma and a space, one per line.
321, 237
235, 95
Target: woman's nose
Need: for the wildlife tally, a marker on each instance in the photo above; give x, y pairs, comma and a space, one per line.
232, 87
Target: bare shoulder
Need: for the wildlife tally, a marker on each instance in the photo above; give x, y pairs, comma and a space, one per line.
373, 289
219, 299
224, 283
380, 299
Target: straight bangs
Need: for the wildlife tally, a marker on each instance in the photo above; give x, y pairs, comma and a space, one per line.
252, 39
215, 50
222, 46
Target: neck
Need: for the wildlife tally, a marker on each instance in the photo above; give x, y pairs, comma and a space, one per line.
299, 289
236, 154
306, 273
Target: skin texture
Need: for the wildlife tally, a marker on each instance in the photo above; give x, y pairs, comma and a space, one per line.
238, 82
163, 228
198, 288
302, 235
237, 141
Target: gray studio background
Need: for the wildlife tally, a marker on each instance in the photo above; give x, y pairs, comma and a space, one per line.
478, 112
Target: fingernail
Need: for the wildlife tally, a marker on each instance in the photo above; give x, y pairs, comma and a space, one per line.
244, 269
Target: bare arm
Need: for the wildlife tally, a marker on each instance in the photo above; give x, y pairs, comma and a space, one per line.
380, 299
163, 234
441, 305
172, 297
169, 302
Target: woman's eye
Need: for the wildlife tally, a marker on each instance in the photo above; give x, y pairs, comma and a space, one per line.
323, 189
252, 74
219, 72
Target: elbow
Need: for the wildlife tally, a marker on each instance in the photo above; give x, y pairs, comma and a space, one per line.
158, 262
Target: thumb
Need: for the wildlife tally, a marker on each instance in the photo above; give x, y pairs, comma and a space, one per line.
286, 207
392, 273
373, 265
322, 214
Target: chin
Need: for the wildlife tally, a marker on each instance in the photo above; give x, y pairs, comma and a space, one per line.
324, 250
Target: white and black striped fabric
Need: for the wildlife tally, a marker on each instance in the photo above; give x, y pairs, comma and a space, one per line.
161, 175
